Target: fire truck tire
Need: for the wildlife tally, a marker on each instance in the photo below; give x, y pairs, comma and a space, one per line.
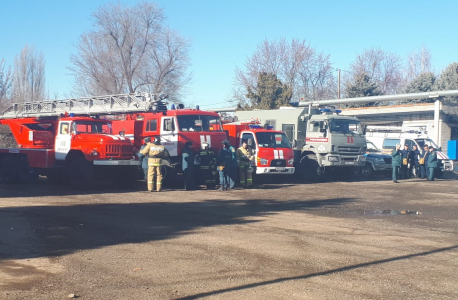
127, 178
80, 173
8, 171
24, 172
310, 169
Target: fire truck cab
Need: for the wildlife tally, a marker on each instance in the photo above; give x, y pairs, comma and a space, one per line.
272, 149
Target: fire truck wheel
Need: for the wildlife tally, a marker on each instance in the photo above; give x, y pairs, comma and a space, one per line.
24, 172
127, 178
8, 171
80, 173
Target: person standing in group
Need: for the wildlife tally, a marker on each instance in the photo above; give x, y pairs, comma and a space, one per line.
405, 154
432, 163
423, 162
396, 162
226, 162
188, 167
144, 158
414, 157
156, 153
244, 158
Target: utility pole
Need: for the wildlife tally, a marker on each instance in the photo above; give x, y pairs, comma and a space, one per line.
338, 83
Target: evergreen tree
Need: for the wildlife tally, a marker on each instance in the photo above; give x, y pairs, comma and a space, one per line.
362, 87
422, 83
448, 80
270, 93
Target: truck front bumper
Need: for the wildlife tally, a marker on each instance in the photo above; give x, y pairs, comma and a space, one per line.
275, 170
335, 160
116, 162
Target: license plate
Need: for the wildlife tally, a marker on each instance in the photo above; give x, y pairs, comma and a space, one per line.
279, 169
124, 162
349, 163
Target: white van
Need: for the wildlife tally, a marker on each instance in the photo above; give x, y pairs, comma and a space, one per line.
387, 142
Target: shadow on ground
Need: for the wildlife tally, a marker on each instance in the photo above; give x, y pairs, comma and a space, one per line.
39, 231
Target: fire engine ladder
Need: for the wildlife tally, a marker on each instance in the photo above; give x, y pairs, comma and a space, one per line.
99, 105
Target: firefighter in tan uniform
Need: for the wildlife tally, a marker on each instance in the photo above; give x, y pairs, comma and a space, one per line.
156, 153
244, 158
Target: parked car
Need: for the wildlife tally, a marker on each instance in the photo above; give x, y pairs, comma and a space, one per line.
377, 163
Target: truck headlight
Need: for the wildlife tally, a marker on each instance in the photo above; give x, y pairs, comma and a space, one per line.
333, 158
263, 161
95, 153
291, 161
362, 158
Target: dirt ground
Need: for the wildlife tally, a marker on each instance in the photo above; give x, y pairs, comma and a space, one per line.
334, 240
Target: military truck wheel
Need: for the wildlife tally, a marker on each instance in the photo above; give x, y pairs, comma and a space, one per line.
80, 173
310, 169
367, 171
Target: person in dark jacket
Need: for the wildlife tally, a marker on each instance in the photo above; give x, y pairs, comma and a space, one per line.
432, 163
227, 165
144, 158
413, 162
188, 167
405, 154
396, 162
423, 162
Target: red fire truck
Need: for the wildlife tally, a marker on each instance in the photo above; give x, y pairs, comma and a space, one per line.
64, 139
175, 127
272, 148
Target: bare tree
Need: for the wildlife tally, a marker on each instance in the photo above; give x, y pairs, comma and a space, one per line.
419, 62
297, 64
382, 68
29, 76
5, 83
130, 50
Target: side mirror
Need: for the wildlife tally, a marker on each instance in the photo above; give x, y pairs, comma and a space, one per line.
122, 133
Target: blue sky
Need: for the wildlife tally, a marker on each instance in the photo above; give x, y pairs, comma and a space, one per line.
224, 33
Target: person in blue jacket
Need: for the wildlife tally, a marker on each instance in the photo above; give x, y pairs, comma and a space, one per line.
413, 162
424, 171
405, 162
144, 158
226, 160
432, 163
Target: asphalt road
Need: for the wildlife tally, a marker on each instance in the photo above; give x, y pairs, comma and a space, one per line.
334, 240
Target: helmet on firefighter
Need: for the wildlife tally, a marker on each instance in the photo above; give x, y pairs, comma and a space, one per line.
157, 140
147, 140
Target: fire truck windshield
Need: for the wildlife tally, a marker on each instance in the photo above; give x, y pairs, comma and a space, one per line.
91, 127
345, 126
272, 139
199, 123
